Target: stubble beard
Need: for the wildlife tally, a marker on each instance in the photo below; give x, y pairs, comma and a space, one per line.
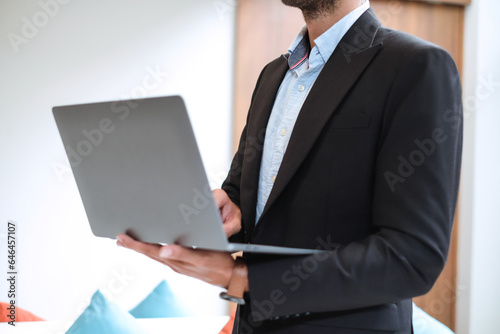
313, 9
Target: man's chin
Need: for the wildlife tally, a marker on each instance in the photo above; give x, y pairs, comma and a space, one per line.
311, 5
301, 4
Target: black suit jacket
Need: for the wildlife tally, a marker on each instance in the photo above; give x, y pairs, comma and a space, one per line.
370, 174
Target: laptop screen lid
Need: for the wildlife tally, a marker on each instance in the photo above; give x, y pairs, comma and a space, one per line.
138, 170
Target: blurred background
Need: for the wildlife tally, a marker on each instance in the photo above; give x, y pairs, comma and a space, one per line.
68, 52
57, 52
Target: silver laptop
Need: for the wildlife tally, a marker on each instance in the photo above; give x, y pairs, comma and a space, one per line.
139, 171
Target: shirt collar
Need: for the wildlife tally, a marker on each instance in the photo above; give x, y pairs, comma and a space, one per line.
326, 43
299, 49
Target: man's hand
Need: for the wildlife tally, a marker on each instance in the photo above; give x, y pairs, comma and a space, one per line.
212, 267
230, 213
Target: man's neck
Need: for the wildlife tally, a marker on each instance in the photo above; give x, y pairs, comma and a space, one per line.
319, 23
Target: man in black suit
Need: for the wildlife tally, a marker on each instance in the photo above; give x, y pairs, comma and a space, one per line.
369, 173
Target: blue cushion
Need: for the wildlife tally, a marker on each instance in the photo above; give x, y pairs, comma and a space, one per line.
160, 303
425, 324
103, 316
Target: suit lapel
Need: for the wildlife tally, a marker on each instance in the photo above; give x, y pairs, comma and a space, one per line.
260, 110
263, 101
346, 64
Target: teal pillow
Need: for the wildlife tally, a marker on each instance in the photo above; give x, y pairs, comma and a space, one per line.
160, 303
103, 316
423, 323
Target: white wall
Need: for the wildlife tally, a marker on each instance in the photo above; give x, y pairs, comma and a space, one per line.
478, 288
87, 51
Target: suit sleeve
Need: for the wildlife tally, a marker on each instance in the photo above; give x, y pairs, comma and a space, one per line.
231, 184
414, 198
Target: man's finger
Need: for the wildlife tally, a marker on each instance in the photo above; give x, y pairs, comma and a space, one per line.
141, 247
220, 197
231, 228
181, 254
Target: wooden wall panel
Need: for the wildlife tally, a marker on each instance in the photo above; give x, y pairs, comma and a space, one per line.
265, 29
439, 24
448, 2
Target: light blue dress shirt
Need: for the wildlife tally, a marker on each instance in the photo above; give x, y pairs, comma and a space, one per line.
305, 67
